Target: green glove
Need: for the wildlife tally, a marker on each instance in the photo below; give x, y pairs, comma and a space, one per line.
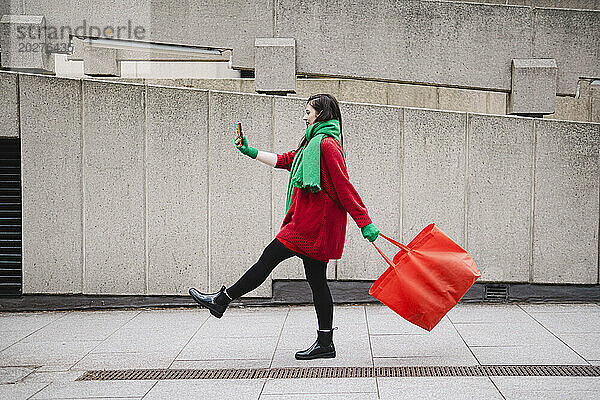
247, 150
370, 232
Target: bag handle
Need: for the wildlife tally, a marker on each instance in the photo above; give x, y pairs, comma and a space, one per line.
403, 247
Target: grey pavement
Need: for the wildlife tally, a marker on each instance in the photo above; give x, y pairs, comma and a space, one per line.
43, 353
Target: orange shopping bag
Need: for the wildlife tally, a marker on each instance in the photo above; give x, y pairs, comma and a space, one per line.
426, 278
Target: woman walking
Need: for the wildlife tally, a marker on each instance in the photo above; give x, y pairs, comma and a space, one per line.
319, 195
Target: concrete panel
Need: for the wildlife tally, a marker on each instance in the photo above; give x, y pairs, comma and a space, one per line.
307, 87
247, 85
22, 40
100, 61
275, 65
125, 20
289, 129
114, 193
413, 95
239, 188
565, 237
230, 85
500, 175
433, 184
533, 87
51, 184
372, 144
9, 118
177, 190
578, 54
462, 100
361, 91
496, 103
217, 23
412, 41
571, 109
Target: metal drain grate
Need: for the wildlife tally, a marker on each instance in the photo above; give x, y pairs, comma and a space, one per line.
342, 372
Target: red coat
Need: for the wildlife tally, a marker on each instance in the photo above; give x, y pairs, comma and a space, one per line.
315, 225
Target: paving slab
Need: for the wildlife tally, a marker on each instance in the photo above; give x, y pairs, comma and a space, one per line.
14, 374
547, 387
44, 353
502, 334
587, 345
21, 391
234, 363
571, 322
319, 385
485, 313
207, 348
453, 387
321, 396
86, 389
120, 360
230, 389
548, 353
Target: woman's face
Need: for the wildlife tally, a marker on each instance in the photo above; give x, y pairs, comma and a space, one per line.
310, 115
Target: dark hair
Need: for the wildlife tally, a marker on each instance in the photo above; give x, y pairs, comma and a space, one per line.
328, 108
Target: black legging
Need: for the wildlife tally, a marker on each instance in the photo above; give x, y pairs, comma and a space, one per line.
316, 276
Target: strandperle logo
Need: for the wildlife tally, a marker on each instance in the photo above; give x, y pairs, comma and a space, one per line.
64, 31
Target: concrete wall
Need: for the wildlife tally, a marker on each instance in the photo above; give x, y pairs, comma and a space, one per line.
468, 45
138, 189
583, 108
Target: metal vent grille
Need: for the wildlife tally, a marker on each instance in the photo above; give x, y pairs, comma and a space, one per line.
10, 218
342, 372
496, 292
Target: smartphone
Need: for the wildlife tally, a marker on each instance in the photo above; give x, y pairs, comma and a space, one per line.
239, 131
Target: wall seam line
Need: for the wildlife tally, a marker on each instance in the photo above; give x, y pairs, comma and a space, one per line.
466, 196
598, 237
274, 27
146, 258
82, 152
20, 139
532, 212
208, 260
401, 197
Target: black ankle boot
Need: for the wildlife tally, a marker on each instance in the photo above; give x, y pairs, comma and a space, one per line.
216, 302
322, 348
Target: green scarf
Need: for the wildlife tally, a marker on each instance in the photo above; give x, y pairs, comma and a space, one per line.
306, 166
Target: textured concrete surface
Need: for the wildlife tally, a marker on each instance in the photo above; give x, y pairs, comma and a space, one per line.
433, 175
177, 190
419, 34
240, 200
500, 176
275, 64
9, 118
533, 87
144, 187
372, 146
43, 353
100, 61
430, 42
576, 30
51, 184
566, 203
114, 188
19, 50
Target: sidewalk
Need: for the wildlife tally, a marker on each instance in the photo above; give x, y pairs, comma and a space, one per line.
42, 354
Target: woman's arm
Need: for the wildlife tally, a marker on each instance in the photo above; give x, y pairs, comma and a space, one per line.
267, 158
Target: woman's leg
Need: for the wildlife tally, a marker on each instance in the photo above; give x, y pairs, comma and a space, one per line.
316, 275
272, 255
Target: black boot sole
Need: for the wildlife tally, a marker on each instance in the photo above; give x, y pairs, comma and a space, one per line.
322, 355
213, 311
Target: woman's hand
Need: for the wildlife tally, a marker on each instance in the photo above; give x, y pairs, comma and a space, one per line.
370, 232
242, 145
